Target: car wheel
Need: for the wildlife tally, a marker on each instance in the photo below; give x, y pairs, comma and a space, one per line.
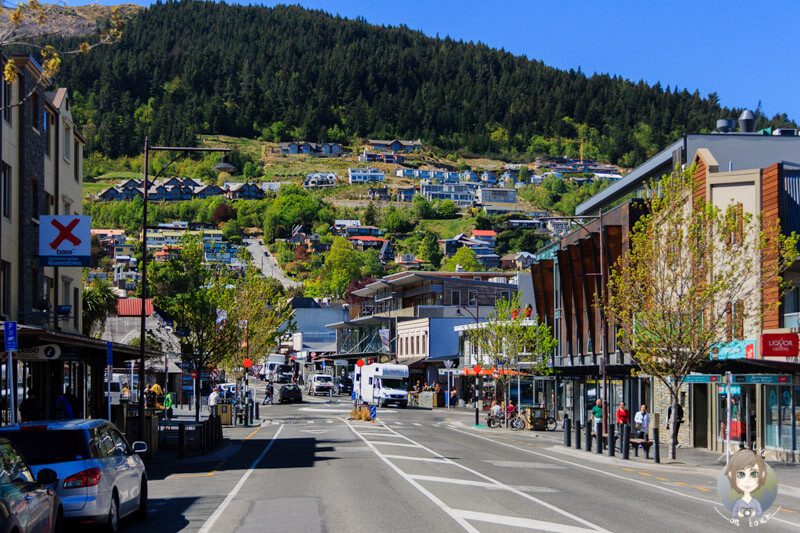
141, 512
112, 521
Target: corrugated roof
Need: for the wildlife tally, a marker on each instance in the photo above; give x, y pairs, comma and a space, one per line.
484, 232
133, 307
366, 238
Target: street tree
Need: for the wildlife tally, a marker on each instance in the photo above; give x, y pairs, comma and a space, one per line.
693, 279
510, 337
466, 258
342, 265
27, 24
429, 249
194, 296
98, 301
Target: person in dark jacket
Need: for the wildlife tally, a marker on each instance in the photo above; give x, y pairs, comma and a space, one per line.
60, 409
31, 408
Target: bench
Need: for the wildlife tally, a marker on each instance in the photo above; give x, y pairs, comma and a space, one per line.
645, 444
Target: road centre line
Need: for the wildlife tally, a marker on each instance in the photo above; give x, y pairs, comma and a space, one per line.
509, 488
209, 523
604, 473
536, 525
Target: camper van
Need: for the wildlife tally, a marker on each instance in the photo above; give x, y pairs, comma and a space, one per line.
381, 384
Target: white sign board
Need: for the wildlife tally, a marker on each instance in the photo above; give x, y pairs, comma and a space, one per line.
65, 240
44, 352
445, 371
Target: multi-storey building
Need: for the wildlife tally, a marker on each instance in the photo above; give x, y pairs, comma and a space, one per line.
364, 175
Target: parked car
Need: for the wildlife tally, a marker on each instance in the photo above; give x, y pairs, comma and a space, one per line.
27, 504
320, 384
344, 385
290, 393
101, 478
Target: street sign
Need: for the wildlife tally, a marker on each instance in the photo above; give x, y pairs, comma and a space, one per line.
44, 352
214, 373
323, 365
495, 373
761, 378
64, 240
703, 378
194, 374
247, 363
373, 411
449, 363
257, 369
11, 336
109, 354
445, 371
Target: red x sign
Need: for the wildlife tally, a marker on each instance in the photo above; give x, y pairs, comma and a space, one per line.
64, 233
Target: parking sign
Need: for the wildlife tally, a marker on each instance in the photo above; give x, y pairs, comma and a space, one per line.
11, 336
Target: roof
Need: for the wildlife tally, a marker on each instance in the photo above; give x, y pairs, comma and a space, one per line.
410, 278
735, 151
302, 302
484, 233
133, 307
367, 238
108, 232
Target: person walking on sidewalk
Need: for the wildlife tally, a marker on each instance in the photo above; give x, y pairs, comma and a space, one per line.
268, 394
678, 420
641, 422
623, 415
213, 400
597, 416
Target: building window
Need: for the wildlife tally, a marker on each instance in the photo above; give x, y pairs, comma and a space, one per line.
5, 286
48, 290
505, 295
66, 285
48, 145
7, 101
67, 142
75, 314
76, 160
35, 110
67, 208
472, 297
6, 191
455, 297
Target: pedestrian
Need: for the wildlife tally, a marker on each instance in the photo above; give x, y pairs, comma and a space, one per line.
641, 422
496, 409
60, 408
623, 415
678, 420
213, 400
77, 406
268, 394
31, 408
597, 416
168, 404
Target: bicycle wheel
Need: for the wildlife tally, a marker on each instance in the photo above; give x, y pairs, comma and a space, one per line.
517, 423
539, 423
551, 423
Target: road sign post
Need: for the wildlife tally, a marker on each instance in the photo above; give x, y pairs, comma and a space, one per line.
11, 347
109, 371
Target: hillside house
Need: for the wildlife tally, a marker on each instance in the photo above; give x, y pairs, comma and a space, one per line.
361, 231
459, 194
320, 180
244, 191
363, 243
379, 194
304, 147
395, 145
487, 235
491, 195
380, 157
364, 175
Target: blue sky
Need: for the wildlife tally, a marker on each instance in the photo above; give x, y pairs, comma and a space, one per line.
745, 51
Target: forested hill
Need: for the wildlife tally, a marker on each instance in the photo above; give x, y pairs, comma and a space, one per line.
184, 68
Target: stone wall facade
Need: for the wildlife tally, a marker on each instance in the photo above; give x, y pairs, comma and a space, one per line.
662, 402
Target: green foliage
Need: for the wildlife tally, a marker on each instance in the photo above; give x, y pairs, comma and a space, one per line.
98, 301
423, 209
561, 195
516, 239
397, 221
429, 250
370, 217
466, 258
292, 207
447, 209
167, 79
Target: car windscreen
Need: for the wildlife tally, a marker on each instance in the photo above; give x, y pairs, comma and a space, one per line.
289, 388
285, 369
48, 447
391, 383
115, 386
324, 379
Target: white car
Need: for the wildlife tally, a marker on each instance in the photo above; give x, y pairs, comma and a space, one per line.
101, 478
320, 384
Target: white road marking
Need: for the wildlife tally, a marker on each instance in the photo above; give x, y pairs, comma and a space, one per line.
606, 474
525, 464
454, 481
423, 459
382, 443
338, 410
379, 435
536, 525
436, 501
418, 425
314, 431
495, 482
209, 523
309, 421
329, 421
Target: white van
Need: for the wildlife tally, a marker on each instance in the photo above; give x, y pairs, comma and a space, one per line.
118, 382
381, 384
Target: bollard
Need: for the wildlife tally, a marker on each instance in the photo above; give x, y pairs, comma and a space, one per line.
577, 434
626, 441
218, 430
477, 416
181, 440
599, 437
258, 413
612, 442
656, 454
567, 432
202, 435
588, 428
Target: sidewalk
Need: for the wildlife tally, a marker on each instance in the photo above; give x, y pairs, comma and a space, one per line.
694, 459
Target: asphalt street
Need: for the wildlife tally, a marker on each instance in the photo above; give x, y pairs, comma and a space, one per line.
308, 468
266, 263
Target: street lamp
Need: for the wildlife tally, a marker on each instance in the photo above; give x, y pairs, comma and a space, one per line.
601, 290
181, 150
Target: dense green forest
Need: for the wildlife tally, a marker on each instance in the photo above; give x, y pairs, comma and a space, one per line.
187, 68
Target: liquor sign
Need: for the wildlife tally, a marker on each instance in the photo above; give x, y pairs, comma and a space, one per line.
65, 240
780, 345
703, 378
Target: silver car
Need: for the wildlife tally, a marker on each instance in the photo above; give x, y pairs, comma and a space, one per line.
101, 479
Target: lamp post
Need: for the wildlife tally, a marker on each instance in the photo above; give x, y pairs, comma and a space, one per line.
180, 150
477, 374
602, 275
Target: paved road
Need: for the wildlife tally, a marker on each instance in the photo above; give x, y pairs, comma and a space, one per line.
266, 262
308, 468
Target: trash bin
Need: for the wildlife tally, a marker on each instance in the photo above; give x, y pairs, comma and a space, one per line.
150, 431
119, 413
224, 410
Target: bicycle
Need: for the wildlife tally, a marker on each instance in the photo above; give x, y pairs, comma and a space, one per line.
494, 421
519, 422
551, 423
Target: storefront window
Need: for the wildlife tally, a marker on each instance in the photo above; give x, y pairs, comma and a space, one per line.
786, 416
797, 418
771, 398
